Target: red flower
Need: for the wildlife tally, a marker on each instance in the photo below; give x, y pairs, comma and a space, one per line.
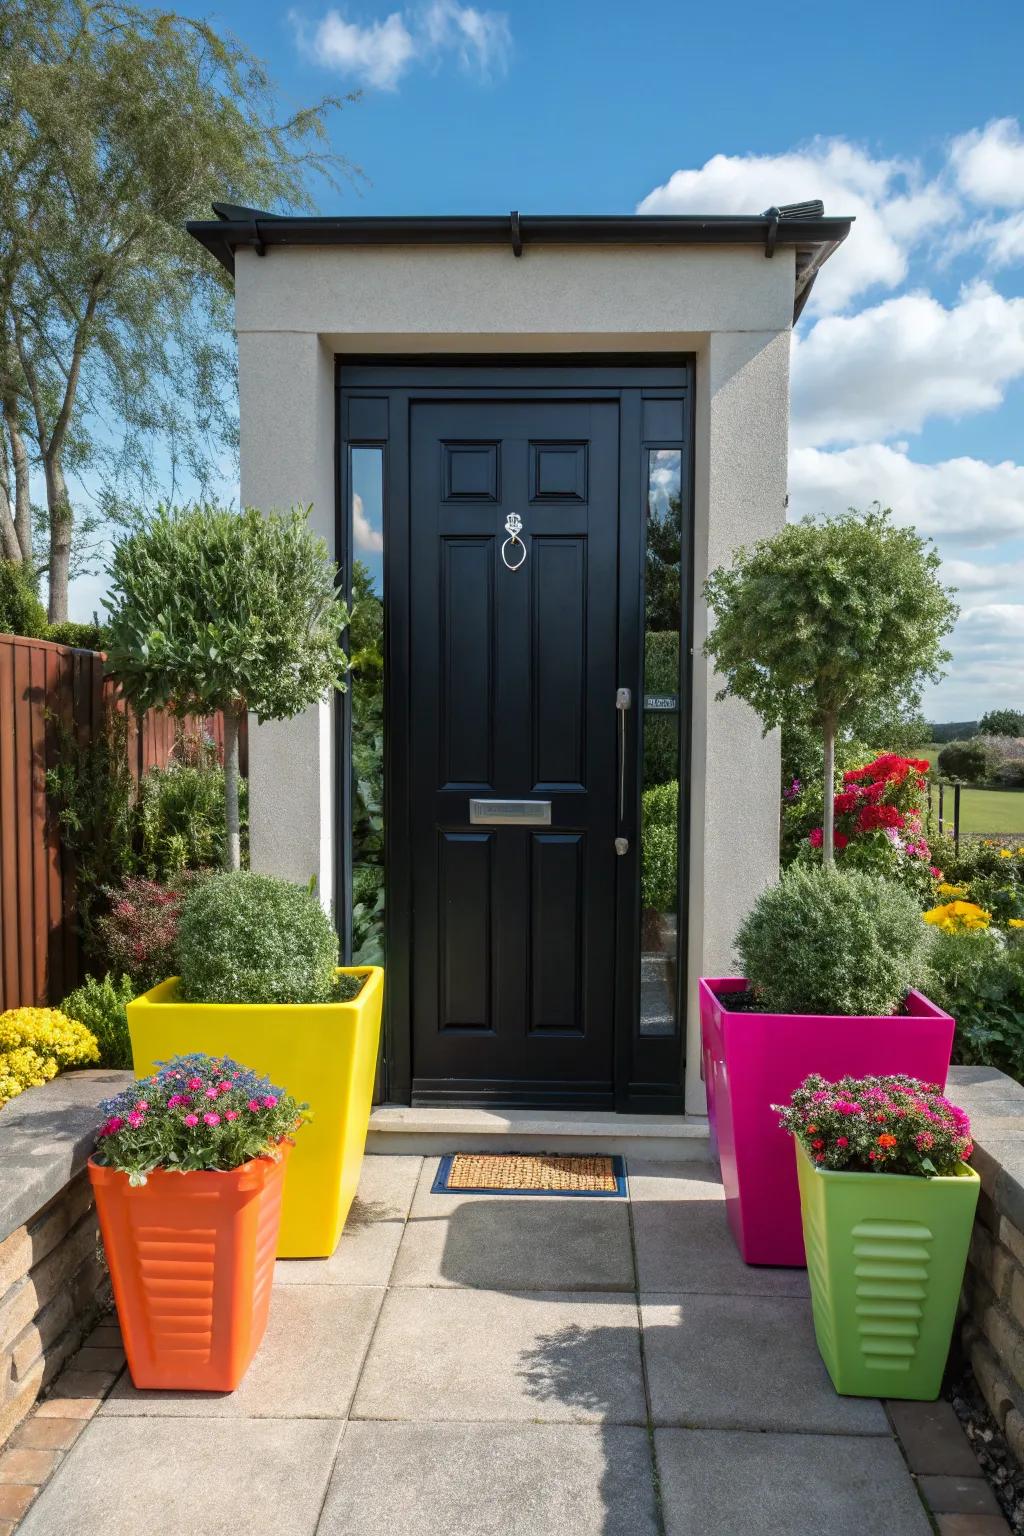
840, 839
873, 817
816, 837
846, 801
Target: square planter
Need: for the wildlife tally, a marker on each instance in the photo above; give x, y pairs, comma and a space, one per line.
323, 1053
191, 1259
885, 1257
755, 1060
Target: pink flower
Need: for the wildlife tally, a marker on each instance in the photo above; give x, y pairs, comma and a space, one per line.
224, 1087
191, 1120
270, 1102
231, 1114
842, 1141
211, 1119
254, 1105
816, 837
194, 1082
176, 1099
142, 1104
211, 1093
135, 1119
111, 1126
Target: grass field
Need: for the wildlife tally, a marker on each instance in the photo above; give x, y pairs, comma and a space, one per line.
992, 812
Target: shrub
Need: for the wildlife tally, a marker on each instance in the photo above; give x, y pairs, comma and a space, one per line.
661, 729
246, 938
1011, 773
181, 819
36, 1044
195, 1113
659, 873
100, 1007
86, 637
878, 1125
978, 977
972, 761
21, 612
832, 942
140, 929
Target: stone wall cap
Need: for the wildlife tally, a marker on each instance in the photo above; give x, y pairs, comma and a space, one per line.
995, 1104
46, 1136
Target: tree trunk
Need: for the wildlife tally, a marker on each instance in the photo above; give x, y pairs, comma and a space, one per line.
9, 546
61, 527
233, 846
22, 499
828, 821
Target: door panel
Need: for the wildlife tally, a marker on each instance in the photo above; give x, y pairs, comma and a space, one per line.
513, 678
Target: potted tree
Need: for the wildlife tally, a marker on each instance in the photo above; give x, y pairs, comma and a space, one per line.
212, 610
188, 1174
828, 961
888, 1205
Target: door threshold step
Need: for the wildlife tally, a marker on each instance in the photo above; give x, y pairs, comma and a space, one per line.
433, 1131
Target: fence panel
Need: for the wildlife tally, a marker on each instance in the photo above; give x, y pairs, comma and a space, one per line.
39, 949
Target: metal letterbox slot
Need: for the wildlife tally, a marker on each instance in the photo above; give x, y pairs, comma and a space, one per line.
510, 813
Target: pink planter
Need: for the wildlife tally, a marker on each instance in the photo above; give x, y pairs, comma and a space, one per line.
755, 1060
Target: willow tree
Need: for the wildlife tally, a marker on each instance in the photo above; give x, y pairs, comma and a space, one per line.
117, 124
828, 619
214, 610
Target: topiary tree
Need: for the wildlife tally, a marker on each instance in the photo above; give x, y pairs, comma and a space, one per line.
827, 619
219, 610
1002, 722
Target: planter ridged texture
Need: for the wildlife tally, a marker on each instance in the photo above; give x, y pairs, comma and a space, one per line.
323, 1053
885, 1258
755, 1060
191, 1259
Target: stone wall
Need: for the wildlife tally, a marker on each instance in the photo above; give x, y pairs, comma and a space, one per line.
53, 1279
992, 1304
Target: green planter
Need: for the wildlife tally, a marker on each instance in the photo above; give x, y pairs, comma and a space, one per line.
885, 1257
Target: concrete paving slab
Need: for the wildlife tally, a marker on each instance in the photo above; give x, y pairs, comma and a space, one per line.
683, 1241
491, 1480
196, 1478
366, 1253
515, 1242
744, 1362
721, 1483
480, 1355
307, 1366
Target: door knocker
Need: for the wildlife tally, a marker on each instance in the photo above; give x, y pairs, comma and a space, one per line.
513, 525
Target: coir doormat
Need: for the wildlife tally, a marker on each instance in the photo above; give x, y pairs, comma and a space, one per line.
521, 1173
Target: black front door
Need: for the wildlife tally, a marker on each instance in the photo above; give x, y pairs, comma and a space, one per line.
512, 699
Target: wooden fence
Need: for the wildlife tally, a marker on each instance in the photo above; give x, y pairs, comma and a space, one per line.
39, 947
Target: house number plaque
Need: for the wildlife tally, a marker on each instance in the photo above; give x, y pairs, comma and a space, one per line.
510, 813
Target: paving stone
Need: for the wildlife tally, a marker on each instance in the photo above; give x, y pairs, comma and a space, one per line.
15, 1498
491, 1480
68, 1407
306, 1367
720, 1484
21, 1465
959, 1495
366, 1253
207, 1478
75, 1383
92, 1357
479, 1355
47, 1434
933, 1439
744, 1362
683, 1241
971, 1525
515, 1242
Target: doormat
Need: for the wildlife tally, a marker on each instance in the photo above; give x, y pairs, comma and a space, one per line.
523, 1173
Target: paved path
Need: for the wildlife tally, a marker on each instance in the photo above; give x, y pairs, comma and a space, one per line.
507, 1366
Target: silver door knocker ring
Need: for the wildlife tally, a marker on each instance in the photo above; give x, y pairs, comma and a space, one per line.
513, 525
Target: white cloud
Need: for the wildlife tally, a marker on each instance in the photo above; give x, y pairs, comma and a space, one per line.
364, 536
960, 500
989, 163
895, 206
871, 375
380, 53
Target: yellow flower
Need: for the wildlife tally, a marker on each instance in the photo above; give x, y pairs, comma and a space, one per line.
1006, 853
945, 889
958, 917
36, 1044
1015, 922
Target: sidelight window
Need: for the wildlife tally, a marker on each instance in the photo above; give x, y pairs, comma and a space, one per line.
662, 735
366, 703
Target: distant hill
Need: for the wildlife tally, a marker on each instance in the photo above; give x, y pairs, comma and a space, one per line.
954, 730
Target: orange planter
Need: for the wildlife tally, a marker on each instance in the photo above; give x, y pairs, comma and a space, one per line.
191, 1259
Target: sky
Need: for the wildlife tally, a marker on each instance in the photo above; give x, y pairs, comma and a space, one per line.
908, 364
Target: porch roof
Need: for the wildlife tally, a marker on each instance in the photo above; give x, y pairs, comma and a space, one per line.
803, 226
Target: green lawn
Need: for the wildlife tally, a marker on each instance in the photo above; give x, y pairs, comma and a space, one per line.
992, 812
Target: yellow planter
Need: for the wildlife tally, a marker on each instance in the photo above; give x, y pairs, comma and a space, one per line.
323, 1053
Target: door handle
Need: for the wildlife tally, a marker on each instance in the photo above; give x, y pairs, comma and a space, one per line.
623, 703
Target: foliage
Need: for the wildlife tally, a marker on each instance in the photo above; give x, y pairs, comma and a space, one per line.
21, 612
117, 125
1002, 722
661, 730
100, 1005
139, 931
878, 1125
832, 942
970, 761
871, 731
659, 872
1010, 773
195, 1113
953, 730
36, 1044
978, 977
366, 640
92, 794
990, 876
247, 938
829, 618
181, 819
86, 637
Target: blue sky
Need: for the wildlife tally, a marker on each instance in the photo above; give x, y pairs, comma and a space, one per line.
908, 378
